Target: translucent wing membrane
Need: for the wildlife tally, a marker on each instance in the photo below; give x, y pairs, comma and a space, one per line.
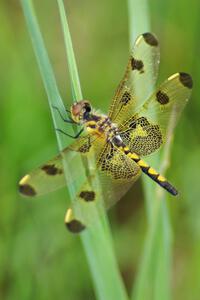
118, 171
116, 164
50, 176
145, 131
139, 78
115, 175
111, 174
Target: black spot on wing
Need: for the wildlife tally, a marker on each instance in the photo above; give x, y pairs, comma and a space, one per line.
87, 195
51, 170
75, 226
142, 137
162, 97
126, 97
27, 190
150, 39
137, 65
186, 79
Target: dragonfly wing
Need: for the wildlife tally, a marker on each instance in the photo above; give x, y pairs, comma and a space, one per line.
50, 176
117, 173
145, 131
139, 78
113, 177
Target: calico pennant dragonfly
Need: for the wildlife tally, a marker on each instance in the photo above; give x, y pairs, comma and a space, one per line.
135, 126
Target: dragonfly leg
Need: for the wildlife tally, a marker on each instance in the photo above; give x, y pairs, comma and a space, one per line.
64, 120
69, 135
68, 111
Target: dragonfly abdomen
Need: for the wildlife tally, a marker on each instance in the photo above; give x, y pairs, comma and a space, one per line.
151, 172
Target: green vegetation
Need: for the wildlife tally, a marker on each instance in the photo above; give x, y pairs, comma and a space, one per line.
39, 259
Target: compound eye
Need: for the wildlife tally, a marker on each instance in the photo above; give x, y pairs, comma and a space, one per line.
87, 108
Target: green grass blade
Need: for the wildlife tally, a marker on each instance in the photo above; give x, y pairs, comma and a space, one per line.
153, 279
97, 239
46, 71
74, 77
137, 23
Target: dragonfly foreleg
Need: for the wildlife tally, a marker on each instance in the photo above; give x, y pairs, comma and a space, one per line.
69, 135
65, 120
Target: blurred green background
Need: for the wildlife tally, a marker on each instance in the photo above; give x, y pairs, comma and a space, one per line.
39, 259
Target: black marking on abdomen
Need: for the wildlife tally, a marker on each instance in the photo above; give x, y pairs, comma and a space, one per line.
167, 186
163, 183
153, 174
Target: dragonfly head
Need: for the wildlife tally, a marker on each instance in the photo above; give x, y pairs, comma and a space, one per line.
80, 111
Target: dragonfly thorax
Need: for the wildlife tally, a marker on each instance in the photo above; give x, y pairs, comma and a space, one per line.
101, 125
94, 122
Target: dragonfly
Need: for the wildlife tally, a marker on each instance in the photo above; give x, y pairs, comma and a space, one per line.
135, 126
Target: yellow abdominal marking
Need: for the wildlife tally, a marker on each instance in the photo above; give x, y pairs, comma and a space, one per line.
142, 163
152, 171
133, 155
141, 131
161, 178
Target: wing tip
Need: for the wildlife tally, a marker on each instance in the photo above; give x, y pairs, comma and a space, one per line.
72, 224
150, 39
186, 79
25, 188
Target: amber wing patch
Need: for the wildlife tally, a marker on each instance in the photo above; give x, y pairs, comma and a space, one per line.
146, 131
116, 164
141, 136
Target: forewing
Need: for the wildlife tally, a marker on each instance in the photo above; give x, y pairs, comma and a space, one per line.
139, 78
50, 176
145, 132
